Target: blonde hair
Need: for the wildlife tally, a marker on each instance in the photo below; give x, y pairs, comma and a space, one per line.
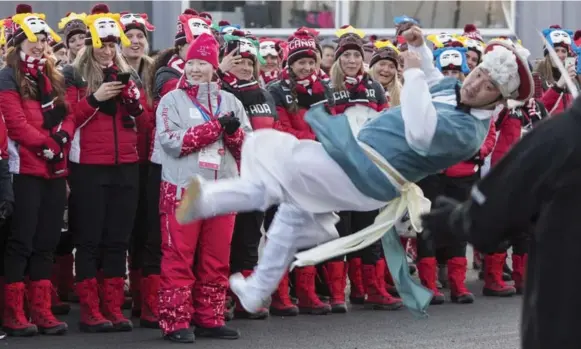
545, 69
337, 77
393, 87
86, 65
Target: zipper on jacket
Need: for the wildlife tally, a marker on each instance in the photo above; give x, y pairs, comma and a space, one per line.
115, 139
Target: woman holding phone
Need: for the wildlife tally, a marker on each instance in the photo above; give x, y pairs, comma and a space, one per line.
104, 171
556, 97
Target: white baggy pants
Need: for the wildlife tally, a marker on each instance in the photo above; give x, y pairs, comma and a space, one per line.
298, 175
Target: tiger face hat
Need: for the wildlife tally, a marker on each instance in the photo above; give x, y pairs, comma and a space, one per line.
27, 25
104, 26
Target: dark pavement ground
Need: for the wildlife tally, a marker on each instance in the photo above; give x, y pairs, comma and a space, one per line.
487, 324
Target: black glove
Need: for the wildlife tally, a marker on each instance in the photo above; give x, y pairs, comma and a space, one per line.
440, 217
229, 123
61, 137
6, 209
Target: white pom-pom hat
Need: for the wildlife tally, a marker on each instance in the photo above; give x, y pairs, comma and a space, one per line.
508, 69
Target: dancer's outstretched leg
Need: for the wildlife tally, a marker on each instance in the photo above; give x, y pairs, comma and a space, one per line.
291, 229
205, 199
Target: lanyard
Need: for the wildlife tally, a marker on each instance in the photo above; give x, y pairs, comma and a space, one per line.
205, 112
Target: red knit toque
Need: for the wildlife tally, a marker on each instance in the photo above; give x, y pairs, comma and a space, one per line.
204, 48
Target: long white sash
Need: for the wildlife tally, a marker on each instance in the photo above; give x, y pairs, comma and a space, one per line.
411, 200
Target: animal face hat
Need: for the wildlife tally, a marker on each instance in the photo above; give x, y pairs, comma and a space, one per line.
248, 45
104, 27
190, 26
384, 49
558, 37
5, 30
473, 45
442, 39
72, 24
26, 25
136, 21
508, 69
224, 27
349, 38
451, 58
271, 47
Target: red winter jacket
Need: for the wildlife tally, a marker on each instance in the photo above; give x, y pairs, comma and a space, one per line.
556, 100
145, 127
26, 135
470, 167
100, 139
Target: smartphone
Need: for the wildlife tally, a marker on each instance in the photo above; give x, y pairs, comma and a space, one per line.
569, 61
123, 77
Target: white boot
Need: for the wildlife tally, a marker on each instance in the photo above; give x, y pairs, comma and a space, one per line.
277, 255
205, 199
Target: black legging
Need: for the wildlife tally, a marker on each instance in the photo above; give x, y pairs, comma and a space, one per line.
105, 203
245, 241
36, 227
152, 248
352, 222
140, 225
444, 245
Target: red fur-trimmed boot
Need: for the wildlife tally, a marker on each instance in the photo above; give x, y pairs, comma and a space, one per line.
336, 279
494, 285
428, 273
389, 283
240, 313
112, 291
149, 302
39, 297
309, 302
281, 304
58, 307
65, 283
519, 267
15, 322
91, 318
135, 289
457, 267
355, 272
377, 296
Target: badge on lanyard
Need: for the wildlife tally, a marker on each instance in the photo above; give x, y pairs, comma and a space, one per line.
210, 157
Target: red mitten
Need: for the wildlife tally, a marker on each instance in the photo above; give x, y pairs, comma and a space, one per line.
130, 98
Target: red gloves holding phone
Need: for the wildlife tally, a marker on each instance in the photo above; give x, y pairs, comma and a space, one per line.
130, 98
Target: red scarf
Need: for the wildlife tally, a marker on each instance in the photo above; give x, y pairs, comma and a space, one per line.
247, 91
176, 63
356, 84
324, 76
310, 90
33, 69
267, 77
